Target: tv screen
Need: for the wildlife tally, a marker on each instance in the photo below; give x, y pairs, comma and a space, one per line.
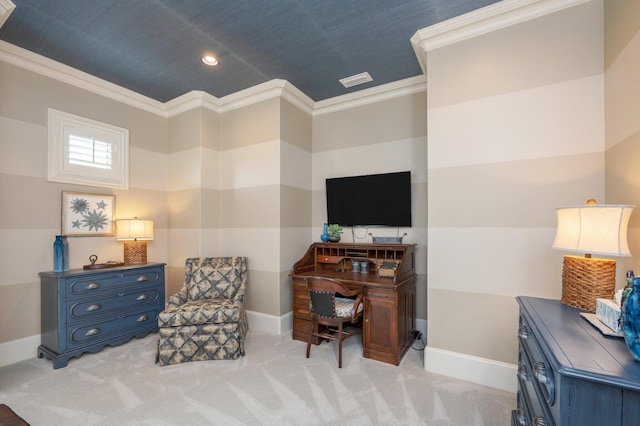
381, 199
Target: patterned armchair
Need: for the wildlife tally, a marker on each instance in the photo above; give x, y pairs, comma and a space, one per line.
206, 319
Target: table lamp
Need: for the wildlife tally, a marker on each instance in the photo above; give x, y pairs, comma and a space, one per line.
135, 233
591, 229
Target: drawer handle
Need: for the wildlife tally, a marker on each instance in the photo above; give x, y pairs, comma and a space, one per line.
92, 332
523, 332
143, 318
521, 417
539, 421
540, 372
142, 278
523, 373
93, 286
142, 297
93, 307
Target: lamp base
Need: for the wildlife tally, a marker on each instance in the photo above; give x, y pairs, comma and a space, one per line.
586, 279
135, 252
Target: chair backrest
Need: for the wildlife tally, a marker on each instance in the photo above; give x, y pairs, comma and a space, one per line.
322, 292
216, 278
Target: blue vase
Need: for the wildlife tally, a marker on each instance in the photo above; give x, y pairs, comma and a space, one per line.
58, 255
325, 234
631, 323
65, 253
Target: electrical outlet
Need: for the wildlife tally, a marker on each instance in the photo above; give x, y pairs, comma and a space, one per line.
416, 334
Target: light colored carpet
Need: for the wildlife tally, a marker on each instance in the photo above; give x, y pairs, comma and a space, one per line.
274, 384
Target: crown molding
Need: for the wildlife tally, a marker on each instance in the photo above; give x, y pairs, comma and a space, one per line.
6, 7
372, 95
39, 64
198, 99
490, 18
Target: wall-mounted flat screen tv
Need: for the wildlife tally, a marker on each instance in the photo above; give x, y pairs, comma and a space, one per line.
380, 199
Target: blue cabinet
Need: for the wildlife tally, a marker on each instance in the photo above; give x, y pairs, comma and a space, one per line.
569, 373
86, 310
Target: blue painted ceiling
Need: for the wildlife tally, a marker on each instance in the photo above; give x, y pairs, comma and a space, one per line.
154, 47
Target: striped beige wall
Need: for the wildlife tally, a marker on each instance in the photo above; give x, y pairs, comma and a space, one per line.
622, 102
516, 129
381, 137
30, 206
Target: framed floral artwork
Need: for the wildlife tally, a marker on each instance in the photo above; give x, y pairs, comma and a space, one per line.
87, 215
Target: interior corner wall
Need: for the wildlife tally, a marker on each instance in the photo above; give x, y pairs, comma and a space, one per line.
622, 109
295, 194
381, 137
249, 196
30, 206
515, 130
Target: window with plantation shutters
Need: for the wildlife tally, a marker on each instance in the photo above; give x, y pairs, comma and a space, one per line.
87, 152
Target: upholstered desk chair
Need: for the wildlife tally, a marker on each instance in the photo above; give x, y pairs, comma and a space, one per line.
206, 319
332, 311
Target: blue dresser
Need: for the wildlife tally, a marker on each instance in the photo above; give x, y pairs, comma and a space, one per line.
85, 310
571, 374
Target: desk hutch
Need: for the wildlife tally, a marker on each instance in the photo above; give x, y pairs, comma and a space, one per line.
389, 302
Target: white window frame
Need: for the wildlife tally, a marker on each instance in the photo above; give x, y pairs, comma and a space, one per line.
61, 126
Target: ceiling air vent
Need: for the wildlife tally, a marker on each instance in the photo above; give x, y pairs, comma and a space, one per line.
354, 80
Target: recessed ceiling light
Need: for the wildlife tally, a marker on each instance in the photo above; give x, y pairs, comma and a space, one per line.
354, 80
209, 60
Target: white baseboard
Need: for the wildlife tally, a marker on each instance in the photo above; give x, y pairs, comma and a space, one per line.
27, 347
19, 350
270, 323
487, 372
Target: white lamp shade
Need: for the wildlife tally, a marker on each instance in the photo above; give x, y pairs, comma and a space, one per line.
593, 229
134, 230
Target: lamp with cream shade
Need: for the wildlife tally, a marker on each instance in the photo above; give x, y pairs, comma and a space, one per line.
591, 229
135, 233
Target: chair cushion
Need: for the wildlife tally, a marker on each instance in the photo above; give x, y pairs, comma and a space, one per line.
203, 311
344, 307
216, 277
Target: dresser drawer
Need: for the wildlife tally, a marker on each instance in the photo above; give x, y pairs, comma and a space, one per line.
89, 333
98, 306
543, 377
531, 407
107, 281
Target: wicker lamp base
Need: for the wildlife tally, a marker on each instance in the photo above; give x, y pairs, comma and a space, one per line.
135, 252
586, 279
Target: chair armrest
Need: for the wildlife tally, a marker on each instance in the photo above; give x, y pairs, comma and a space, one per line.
178, 298
356, 304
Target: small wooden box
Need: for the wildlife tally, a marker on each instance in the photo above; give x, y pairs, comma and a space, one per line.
387, 269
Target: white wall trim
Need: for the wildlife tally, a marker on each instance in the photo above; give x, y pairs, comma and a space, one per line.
271, 89
39, 64
26, 348
6, 7
270, 323
18, 350
487, 372
490, 18
372, 95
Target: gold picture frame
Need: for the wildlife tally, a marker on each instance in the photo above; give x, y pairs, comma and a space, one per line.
87, 215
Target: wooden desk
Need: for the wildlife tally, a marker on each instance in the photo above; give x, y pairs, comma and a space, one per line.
389, 315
